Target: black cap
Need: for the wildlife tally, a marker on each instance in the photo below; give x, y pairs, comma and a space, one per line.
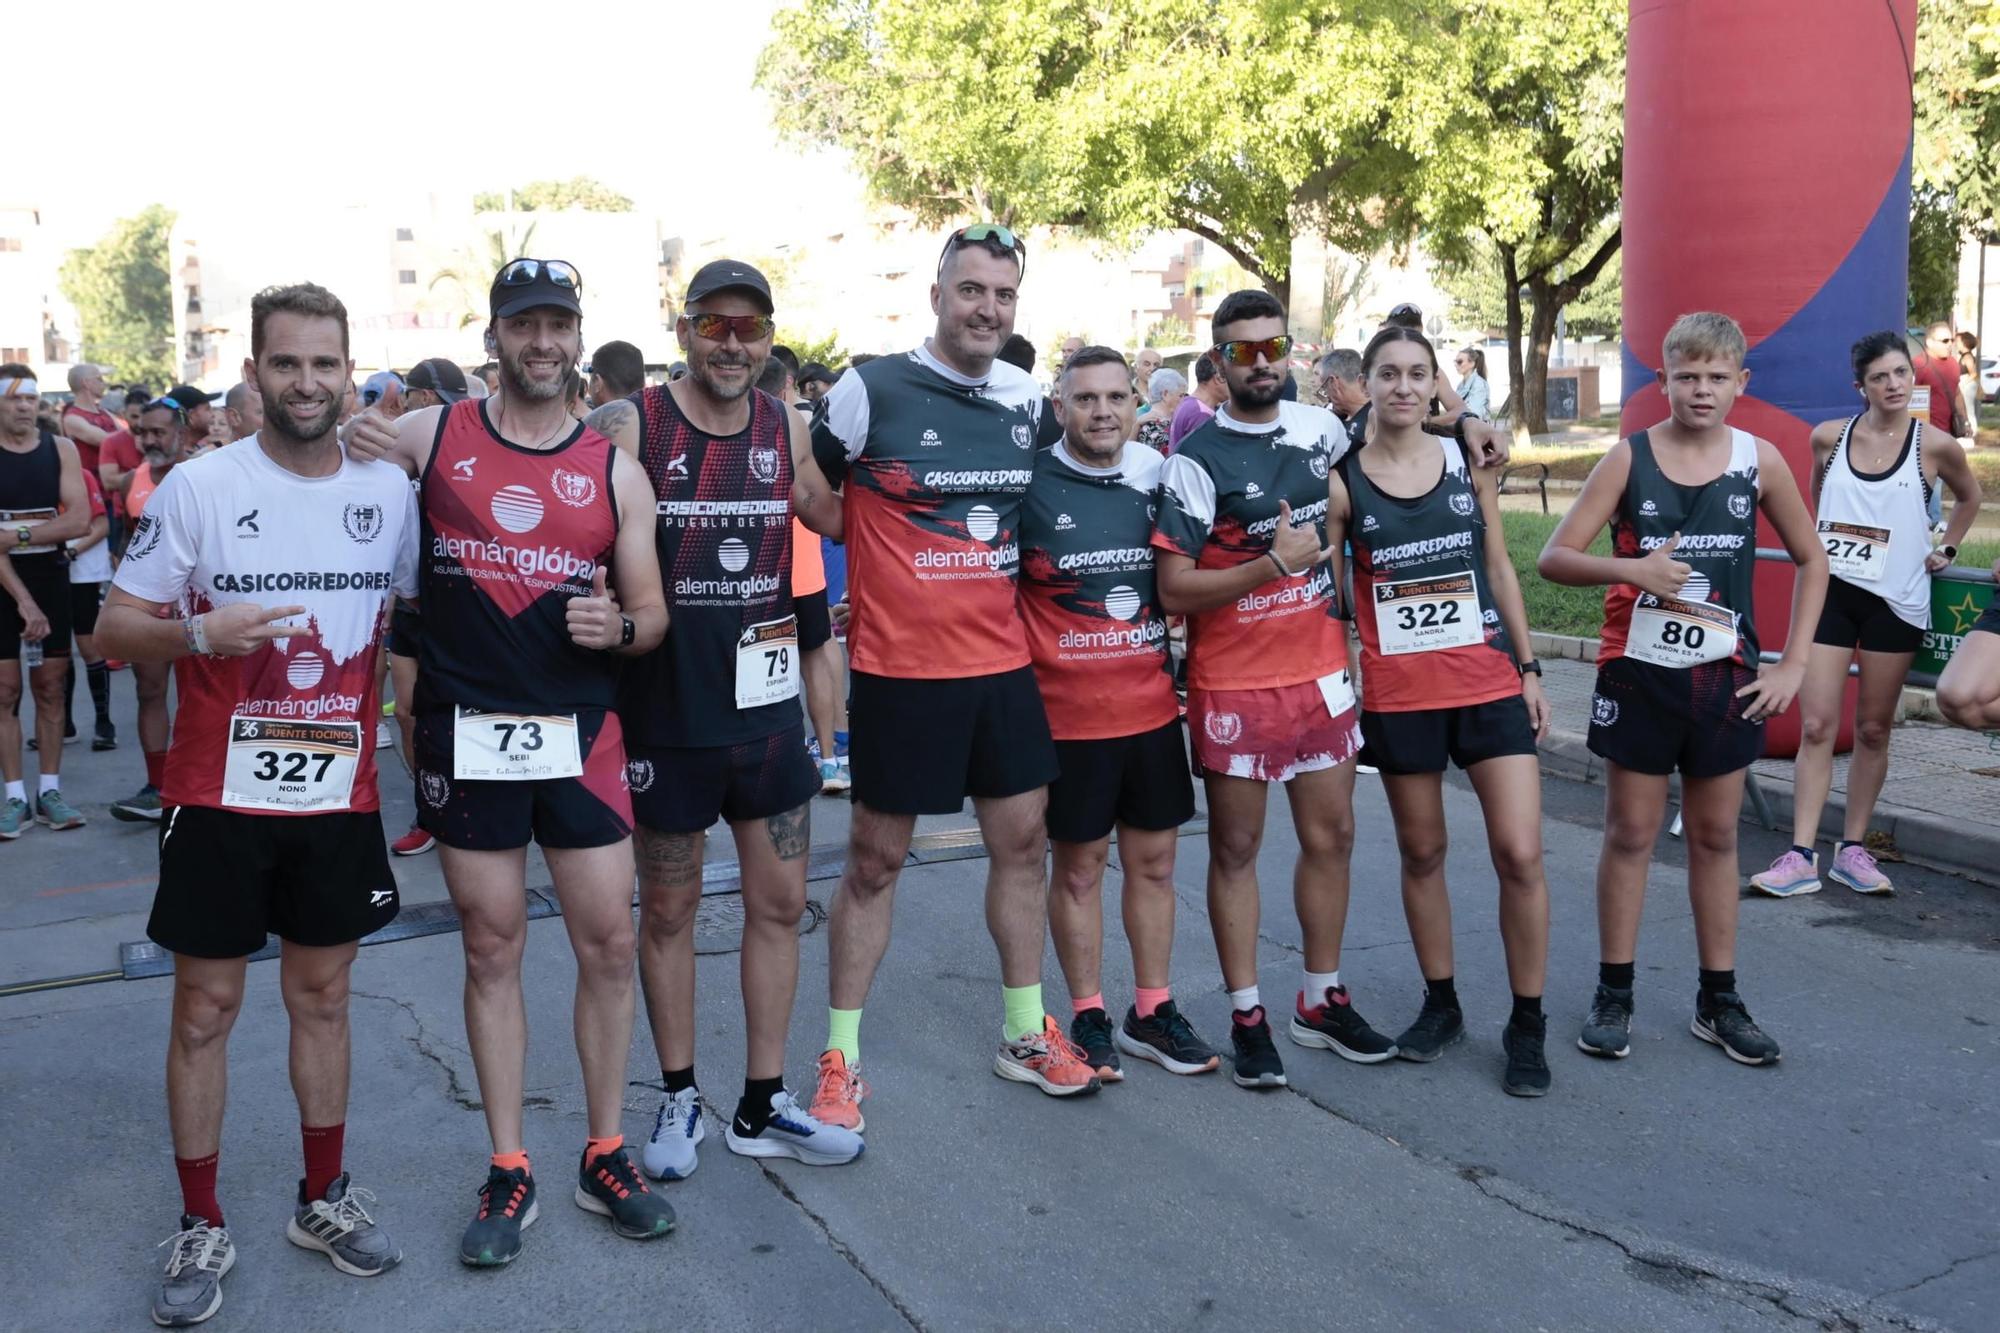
813, 371
723, 275
506, 301
186, 397
442, 377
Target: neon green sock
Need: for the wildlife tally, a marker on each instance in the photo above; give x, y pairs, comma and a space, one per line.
1024, 1009
843, 1033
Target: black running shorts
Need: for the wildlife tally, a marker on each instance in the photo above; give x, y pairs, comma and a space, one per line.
1655, 719
1989, 620
406, 630
1139, 781
228, 878
46, 578
1424, 740
815, 621
686, 790
594, 810
1854, 617
920, 747
85, 601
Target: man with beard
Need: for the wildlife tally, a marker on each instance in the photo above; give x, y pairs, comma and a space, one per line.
528, 516
937, 448
713, 712
275, 823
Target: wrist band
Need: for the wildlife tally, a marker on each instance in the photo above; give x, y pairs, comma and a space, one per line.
1279, 563
196, 635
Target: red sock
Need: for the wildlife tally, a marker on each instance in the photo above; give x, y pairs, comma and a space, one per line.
1147, 999
156, 768
322, 1157
596, 1148
1086, 1002
198, 1187
512, 1161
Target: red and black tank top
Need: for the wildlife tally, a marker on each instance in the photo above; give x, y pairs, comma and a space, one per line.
509, 536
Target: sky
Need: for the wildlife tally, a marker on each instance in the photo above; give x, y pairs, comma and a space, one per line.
287, 106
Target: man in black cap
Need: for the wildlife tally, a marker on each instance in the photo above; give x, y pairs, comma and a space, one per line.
435, 382
714, 711
197, 411
814, 380
516, 733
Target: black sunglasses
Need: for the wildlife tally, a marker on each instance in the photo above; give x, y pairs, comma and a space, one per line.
522, 272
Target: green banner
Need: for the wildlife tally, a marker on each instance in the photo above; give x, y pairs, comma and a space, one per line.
1955, 603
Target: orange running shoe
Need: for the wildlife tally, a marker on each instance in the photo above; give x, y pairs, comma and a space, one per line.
1049, 1060
837, 1101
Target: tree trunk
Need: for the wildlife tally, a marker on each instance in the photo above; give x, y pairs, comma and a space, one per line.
1510, 275
1546, 302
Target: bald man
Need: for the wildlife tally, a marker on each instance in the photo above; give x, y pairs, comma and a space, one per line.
243, 409
84, 419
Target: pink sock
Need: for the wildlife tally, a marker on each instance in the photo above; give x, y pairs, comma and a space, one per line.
1146, 999
1082, 1003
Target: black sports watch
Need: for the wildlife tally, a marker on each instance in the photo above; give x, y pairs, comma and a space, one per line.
1948, 551
627, 631
1531, 667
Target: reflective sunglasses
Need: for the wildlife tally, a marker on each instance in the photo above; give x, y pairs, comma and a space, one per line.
978, 234
522, 272
1245, 351
747, 328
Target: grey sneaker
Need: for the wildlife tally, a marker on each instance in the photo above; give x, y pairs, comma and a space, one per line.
677, 1131
192, 1289
142, 805
1608, 1030
340, 1228
58, 814
14, 818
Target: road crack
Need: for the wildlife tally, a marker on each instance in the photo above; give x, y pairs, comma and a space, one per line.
421, 1042
1944, 1272
840, 1247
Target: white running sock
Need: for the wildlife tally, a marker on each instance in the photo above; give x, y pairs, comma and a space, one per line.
1243, 1001
1317, 984
17, 791
49, 782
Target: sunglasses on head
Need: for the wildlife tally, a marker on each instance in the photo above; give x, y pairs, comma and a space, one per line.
979, 233
747, 328
1245, 351
522, 272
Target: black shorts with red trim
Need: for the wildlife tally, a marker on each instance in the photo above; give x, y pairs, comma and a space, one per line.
686, 789
1425, 740
1654, 719
920, 747
1854, 617
1139, 781
228, 878
483, 815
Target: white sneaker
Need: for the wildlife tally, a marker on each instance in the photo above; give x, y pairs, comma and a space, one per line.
833, 775
677, 1132
792, 1132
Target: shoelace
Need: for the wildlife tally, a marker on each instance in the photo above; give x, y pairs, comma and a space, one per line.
1867, 861
1610, 1010
350, 1212
198, 1247
1180, 1031
516, 1191
673, 1104
786, 1107
839, 1082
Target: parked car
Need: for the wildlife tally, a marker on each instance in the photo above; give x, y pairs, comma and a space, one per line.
1989, 379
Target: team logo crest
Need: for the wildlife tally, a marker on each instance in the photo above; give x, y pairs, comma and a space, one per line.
1739, 506
436, 789
764, 463
1223, 728
1603, 711
575, 489
1024, 437
145, 536
1463, 504
362, 522
639, 774
931, 439
1319, 466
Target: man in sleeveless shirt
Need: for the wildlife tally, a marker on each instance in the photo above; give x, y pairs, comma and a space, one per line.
713, 712
936, 447
42, 505
528, 517
273, 822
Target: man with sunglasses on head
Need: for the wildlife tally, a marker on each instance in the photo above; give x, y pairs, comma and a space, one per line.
936, 448
713, 712
528, 516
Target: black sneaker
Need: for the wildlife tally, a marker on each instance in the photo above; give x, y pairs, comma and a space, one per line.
1721, 1019
1257, 1062
1334, 1025
1437, 1026
1608, 1030
106, 737
1167, 1039
1527, 1067
612, 1187
1091, 1031
506, 1208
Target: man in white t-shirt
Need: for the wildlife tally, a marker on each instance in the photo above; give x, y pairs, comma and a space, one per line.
265, 572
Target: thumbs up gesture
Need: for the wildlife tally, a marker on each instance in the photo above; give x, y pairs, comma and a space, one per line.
594, 621
1659, 573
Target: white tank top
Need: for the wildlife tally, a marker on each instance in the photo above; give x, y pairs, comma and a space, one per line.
1876, 529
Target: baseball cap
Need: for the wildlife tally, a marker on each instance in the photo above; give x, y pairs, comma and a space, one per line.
723, 275
186, 396
813, 371
442, 377
523, 284
376, 386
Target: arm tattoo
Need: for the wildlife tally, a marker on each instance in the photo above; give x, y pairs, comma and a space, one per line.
612, 418
791, 833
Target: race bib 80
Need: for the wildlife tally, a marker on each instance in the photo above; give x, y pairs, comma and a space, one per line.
1669, 632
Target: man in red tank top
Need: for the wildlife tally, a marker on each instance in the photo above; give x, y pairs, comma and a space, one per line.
522, 509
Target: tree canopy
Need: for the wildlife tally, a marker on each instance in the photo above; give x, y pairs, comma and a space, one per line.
592, 196
1955, 173
124, 298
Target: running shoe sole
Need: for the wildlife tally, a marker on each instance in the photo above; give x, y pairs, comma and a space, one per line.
1694, 1026
1020, 1074
305, 1240
590, 1203
1314, 1038
783, 1148
415, 851
1403, 1052
1603, 1054
9, 837
670, 1175
228, 1262
131, 816
1132, 1046
1789, 891
1880, 891
527, 1220
1261, 1081
44, 820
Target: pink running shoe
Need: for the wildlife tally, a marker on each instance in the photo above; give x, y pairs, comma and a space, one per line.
1854, 867
1789, 876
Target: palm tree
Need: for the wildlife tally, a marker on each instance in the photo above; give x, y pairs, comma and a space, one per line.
472, 272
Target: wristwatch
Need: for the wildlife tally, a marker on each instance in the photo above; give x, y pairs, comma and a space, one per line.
1948, 551
627, 633
1531, 667
24, 534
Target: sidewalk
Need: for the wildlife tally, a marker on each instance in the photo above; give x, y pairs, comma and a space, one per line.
1940, 807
